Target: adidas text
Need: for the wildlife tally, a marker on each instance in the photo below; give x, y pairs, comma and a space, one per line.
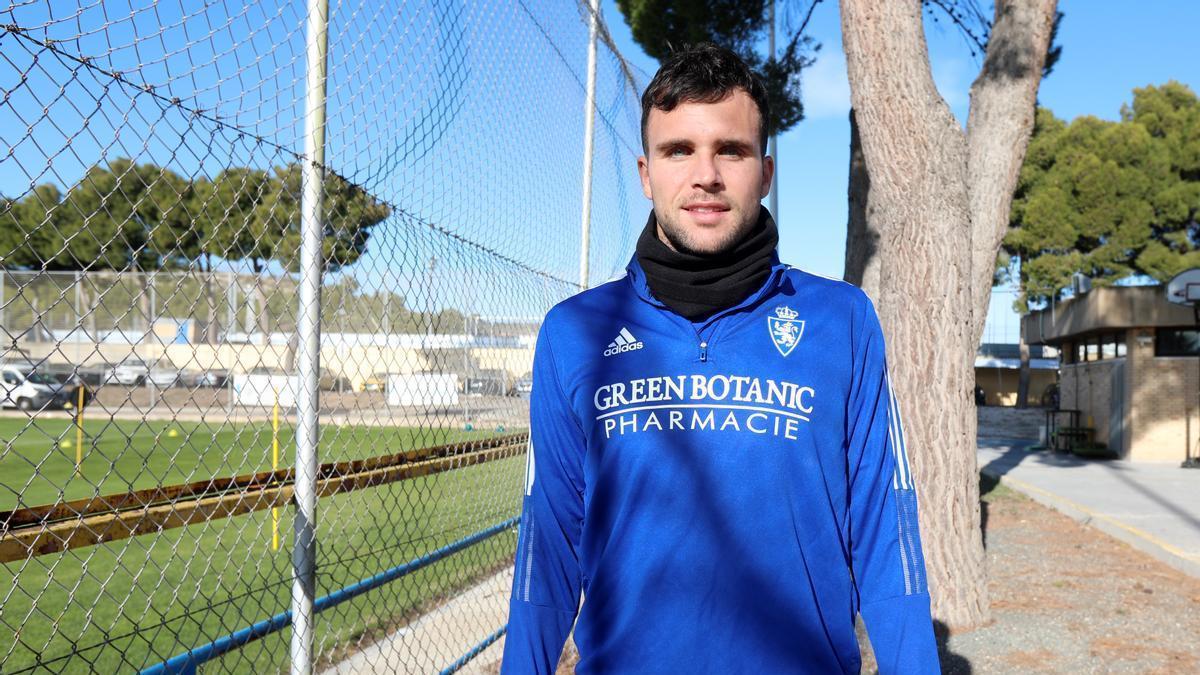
619, 349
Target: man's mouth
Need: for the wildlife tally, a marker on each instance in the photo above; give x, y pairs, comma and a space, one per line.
706, 207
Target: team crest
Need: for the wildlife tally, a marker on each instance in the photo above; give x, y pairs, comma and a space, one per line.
785, 329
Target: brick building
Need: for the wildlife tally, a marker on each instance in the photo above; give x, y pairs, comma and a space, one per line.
1129, 365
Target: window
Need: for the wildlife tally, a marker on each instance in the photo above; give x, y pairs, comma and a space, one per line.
1176, 342
1098, 347
1113, 346
10, 378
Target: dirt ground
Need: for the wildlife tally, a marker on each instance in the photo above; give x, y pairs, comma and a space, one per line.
1066, 598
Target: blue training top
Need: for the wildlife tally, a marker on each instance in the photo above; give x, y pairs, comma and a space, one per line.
727, 495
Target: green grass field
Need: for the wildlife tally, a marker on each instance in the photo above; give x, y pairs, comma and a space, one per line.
131, 603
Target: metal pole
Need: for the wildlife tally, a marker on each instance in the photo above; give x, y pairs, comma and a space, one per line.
1188, 462
589, 117
308, 342
772, 147
231, 300
77, 331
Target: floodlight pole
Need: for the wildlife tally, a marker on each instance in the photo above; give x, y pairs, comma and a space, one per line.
589, 125
772, 146
308, 340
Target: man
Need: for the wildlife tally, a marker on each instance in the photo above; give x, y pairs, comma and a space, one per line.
717, 461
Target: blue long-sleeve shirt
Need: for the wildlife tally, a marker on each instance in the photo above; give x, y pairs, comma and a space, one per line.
727, 495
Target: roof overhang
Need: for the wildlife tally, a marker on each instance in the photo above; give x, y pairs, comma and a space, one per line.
1104, 309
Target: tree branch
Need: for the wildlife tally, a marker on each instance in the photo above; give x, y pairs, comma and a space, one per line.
1003, 103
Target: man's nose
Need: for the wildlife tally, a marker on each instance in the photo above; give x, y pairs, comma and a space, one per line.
706, 175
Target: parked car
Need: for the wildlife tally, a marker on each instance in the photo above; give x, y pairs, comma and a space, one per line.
208, 378
128, 372
484, 386
376, 382
74, 382
522, 387
24, 388
163, 377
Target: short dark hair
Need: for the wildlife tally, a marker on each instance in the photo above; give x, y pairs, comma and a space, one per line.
704, 73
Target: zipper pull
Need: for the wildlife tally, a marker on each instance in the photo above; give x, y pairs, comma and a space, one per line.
703, 352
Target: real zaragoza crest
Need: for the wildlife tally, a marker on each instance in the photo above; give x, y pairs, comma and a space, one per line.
785, 329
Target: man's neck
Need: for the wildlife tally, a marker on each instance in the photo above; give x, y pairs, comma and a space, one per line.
697, 286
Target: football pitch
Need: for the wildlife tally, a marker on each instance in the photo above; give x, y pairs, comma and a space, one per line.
131, 603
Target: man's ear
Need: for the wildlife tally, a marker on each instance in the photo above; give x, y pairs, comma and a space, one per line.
644, 173
768, 174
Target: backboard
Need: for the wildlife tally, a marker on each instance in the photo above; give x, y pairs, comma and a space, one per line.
1184, 289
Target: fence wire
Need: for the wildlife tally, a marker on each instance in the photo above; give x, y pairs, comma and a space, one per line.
150, 196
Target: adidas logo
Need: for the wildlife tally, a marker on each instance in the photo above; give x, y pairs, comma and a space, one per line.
625, 342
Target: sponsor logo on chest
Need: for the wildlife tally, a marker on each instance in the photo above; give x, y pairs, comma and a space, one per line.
716, 402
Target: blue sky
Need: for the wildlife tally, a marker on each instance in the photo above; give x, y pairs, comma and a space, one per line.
474, 109
1109, 48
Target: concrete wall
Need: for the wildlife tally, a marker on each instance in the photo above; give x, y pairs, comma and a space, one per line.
515, 362
1088, 387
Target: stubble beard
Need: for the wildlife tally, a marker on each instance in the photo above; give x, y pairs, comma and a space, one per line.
679, 239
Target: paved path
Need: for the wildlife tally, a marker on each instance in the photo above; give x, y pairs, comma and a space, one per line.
439, 638
1153, 507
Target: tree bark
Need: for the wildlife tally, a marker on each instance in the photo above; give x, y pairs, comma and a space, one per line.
925, 202
1023, 377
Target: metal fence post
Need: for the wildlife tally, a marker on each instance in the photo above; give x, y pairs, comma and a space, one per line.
308, 342
589, 116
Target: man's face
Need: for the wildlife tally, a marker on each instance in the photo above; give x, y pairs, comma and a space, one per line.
705, 172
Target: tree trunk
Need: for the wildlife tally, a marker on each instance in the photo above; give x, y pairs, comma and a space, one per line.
1023, 378
999, 124
926, 182
209, 327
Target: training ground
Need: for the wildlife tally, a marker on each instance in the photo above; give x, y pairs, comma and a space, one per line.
132, 603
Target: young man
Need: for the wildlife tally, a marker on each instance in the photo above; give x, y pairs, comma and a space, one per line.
717, 461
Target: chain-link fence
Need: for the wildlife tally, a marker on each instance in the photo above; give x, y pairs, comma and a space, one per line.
156, 368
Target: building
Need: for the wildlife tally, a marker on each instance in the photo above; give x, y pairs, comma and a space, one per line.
1129, 365
998, 373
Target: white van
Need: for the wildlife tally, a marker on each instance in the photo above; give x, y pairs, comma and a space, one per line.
23, 387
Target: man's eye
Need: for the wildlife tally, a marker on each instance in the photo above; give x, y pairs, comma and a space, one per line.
677, 152
732, 151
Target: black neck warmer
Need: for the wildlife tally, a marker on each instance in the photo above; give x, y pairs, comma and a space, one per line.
698, 286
